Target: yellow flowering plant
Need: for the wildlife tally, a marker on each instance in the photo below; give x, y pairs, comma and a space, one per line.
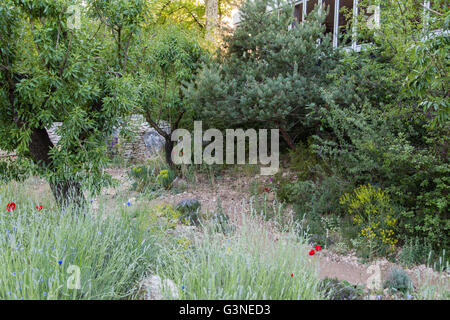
373, 213
165, 178
159, 219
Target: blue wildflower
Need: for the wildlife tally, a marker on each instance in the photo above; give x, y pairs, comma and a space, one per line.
45, 294
60, 262
128, 203
13, 273
182, 287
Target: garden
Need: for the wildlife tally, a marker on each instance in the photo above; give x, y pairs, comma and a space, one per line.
357, 208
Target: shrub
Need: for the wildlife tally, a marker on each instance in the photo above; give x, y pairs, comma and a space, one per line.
220, 221
415, 252
189, 210
152, 177
398, 281
305, 163
403, 155
319, 197
314, 202
165, 178
143, 178
334, 289
371, 210
159, 219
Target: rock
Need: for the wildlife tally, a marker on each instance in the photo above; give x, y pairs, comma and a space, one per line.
179, 183
54, 137
154, 142
147, 141
154, 287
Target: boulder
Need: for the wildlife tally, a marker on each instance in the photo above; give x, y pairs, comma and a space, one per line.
154, 287
154, 142
179, 183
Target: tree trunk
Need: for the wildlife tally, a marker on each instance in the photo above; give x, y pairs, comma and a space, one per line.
68, 193
65, 192
211, 18
169, 149
288, 139
39, 149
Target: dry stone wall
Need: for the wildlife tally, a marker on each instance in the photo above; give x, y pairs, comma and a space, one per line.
144, 143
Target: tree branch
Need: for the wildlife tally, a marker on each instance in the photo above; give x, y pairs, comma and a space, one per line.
156, 127
63, 66
177, 122
431, 10
125, 59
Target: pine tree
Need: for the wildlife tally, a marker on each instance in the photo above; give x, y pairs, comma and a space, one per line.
270, 73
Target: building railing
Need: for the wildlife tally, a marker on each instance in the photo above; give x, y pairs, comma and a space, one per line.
301, 11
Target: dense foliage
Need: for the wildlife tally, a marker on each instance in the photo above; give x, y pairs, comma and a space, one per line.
368, 131
77, 75
378, 117
268, 74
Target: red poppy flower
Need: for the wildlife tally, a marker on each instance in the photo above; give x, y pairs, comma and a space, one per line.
39, 208
11, 206
312, 252
318, 248
292, 274
266, 189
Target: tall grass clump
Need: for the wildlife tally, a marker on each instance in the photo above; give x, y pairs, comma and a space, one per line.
42, 251
246, 265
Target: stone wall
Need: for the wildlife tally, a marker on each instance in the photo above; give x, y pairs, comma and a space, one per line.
144, 143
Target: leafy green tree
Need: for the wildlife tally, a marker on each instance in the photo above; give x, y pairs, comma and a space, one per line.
50, 72
268, 74
173, 57
416, 38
